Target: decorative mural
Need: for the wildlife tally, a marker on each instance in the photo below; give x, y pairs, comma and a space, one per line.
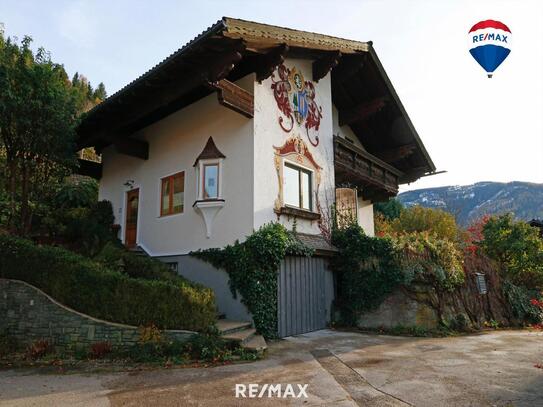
295, 99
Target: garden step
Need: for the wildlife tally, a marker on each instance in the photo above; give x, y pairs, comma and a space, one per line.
257, 344
243, 337
226, 326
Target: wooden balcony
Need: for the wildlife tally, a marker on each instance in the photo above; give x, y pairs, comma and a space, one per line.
355, 167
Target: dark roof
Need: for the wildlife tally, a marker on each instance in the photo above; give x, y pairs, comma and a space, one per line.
210, 151
317, 243
233, 48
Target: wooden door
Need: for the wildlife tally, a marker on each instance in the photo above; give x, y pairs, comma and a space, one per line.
305, 292
131, 229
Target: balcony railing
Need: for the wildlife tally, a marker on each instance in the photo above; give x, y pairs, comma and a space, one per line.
357, 167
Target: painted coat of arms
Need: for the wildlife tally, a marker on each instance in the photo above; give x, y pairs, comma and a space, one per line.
295, 99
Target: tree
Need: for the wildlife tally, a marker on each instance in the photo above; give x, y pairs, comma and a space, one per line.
434, 221
39, 110
517, 247
390, 209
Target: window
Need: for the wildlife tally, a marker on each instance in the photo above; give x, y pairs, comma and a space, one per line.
210, 181
173, 194
298, 187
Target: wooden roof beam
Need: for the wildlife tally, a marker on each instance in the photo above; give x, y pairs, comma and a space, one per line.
362, 111
397, 153
325, 64
349, 66
268, 62
132, 147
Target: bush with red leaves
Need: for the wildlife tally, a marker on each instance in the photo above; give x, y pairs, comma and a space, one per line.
99, 350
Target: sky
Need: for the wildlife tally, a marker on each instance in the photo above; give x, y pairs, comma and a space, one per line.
475, 128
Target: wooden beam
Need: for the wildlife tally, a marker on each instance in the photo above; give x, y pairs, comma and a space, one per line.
361, 112
132, 147
268, 62
396, 154
89, 168
325, 64
349, 66
206, 71
236, 98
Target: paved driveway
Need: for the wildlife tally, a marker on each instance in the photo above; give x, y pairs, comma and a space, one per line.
340, 369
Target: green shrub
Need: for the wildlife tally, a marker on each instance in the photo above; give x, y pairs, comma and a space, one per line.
427, 259
253, 266
517, 247
519, 299
77, 192
92, 288
116, 257
433, 221
366, 270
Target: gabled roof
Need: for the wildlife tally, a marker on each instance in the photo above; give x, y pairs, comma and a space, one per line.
231, 49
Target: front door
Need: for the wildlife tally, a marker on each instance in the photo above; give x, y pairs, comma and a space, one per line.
131, 229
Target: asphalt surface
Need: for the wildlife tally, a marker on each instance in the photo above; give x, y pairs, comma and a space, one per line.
333, 368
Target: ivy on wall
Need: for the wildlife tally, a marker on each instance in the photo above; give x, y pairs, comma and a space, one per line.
366, 270
370, 268
253, 267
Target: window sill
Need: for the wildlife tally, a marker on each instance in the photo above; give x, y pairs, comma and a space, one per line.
212, 201
297, 212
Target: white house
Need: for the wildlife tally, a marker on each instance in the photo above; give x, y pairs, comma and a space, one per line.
248, 124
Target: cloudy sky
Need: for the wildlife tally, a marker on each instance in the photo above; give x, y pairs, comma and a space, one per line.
475, 128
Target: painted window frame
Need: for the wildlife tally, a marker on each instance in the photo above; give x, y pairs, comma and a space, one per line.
200, 178
301, 170
171, 179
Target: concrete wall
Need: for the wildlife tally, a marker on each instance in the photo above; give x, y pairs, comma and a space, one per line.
398, 309
28, 314
268, 134
204, 273
174, 144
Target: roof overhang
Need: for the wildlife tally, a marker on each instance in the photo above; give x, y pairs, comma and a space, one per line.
232, 49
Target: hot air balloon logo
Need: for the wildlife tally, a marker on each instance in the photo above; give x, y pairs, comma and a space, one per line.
489, 43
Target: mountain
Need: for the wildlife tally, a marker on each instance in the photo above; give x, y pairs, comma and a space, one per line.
470, 202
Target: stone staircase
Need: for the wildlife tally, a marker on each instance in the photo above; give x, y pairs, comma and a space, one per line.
138, 251
243, 333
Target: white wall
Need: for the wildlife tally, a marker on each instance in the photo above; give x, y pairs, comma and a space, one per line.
174, 144
268, 134
365, 216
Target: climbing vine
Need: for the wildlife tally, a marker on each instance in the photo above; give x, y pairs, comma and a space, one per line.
253, 266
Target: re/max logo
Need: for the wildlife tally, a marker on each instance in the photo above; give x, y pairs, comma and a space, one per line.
490, 37
254, 390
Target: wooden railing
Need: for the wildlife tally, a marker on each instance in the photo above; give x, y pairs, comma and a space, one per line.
358, 167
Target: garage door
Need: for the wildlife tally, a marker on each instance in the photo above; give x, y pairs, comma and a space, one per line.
305, 292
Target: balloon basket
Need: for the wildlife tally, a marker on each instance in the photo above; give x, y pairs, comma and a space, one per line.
489, 75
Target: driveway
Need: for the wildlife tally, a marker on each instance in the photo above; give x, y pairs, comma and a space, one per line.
339, 368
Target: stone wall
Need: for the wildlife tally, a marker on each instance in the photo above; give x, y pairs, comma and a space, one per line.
398, 309
28, 314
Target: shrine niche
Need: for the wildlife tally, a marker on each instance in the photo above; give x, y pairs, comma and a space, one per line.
295, 99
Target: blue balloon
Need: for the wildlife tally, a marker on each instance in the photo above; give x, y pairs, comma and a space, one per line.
490, 42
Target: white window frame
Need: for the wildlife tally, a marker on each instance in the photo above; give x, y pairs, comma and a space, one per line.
305, 168
200, 180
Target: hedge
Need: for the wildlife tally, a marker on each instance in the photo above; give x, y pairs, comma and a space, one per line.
91, 288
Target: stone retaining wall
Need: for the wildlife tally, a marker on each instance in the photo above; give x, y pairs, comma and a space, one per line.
28, 314
398, 309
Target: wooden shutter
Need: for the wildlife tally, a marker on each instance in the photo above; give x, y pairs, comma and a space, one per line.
345, 206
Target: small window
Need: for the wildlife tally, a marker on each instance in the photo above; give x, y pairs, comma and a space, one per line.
173, 194
298, 187
210, 181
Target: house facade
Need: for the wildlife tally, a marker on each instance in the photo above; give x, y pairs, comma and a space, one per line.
245, 125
